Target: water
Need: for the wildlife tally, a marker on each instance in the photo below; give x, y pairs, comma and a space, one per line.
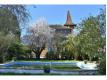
89, 68
21, 71
61, 72
81, 65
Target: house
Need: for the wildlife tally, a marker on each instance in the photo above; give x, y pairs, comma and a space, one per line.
64, 30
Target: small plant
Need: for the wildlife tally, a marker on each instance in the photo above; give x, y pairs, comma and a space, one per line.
102, 67
14, 59
85, 61
46, 69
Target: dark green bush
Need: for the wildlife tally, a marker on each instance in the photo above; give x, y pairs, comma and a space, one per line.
102, 67
46, 69
18, 50
50, 55
67, 55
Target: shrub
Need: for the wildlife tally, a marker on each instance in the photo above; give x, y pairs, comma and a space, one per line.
46, 69
18, 50
85, 61
102, 67
50, 55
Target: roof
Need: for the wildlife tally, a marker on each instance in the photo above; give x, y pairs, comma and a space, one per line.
69, 20
59, 27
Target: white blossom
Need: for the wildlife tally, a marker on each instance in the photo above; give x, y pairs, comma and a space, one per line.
39, 33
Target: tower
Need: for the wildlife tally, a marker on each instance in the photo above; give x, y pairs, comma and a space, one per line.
69, 23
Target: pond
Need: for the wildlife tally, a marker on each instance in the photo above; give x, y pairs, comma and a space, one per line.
80, 64
36, 67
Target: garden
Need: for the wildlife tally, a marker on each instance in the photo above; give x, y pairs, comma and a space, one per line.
81, 54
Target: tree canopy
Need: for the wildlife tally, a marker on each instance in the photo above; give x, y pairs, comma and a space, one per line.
12, 17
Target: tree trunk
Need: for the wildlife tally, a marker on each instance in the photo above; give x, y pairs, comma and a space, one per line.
38, 51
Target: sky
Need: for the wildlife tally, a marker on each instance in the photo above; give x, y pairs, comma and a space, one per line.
56, 14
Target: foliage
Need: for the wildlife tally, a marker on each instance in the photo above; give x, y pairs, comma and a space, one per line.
19, 50
102, 67
38, 36
90, 39
50, 55
20, 11
56, 45
8, 22
70, 47
89, 43
65, 67
102, 21
5, 42
12, 17
46, 69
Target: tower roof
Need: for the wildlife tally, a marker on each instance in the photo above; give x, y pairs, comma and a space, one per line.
69, 20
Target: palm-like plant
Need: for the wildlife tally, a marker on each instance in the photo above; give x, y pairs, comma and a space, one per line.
70, 45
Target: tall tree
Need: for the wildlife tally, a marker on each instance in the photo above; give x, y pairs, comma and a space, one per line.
38, 36
19, 11
90, 37
12, 17
102, 21
8, 22
70, 45
5, 42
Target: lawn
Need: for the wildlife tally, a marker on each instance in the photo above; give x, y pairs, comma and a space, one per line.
59, 66
43, 60
65, 67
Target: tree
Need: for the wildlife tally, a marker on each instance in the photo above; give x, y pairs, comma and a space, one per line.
56, 44
18, 50
70, 46
102, 66
5, 42
19, 11
102, 21
90, 37
38, 36
12, 17
8, 22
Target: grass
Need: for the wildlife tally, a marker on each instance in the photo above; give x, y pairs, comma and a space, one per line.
65, 67
59, 67
43, 60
